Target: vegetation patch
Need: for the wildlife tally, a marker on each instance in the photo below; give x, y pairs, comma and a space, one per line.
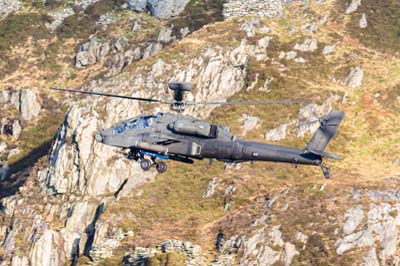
383, 30
199, 13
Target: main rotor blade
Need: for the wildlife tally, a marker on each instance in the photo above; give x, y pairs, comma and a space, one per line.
285, 102
113, 95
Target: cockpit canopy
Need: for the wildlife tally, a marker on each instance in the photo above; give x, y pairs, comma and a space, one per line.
137, 123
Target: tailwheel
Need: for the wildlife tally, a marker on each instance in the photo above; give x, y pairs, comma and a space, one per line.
326, 171
161, 167
145, 164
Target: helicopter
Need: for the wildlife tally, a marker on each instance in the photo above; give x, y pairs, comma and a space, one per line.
151, 139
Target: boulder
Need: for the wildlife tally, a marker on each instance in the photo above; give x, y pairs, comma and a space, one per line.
353, 6
91, 52
210, 190
48, 250
166, 9
4, 96
355, 77
137, 5
309, 45
277, 134
29, 106
354, 217
249, 123
329, 49
363, 21
16, 129
8, 6
58, 17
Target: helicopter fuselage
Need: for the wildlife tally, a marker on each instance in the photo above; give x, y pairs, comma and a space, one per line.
183, 138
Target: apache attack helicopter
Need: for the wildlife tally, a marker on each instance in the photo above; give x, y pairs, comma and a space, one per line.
174, 136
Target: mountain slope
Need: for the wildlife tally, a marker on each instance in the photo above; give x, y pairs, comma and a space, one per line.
87, 204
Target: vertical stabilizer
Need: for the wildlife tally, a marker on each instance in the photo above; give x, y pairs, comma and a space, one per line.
327, 130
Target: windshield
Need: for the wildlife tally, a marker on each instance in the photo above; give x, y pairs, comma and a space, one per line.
142, 122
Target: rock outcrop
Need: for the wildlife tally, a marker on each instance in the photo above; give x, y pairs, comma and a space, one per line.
8, 6
160, 9
192, 253
375, 229
92, 52
240, 8
28, 104
266, 247
353, 6
355, 78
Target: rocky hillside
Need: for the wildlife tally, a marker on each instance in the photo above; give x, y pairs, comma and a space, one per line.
68, 200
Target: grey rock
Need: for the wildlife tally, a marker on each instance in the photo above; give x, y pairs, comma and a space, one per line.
266, 247
58, 17
137, 5
184, 31
309, 45
152, 49
136, 26
29, 106
107, 238
355, 78
354, 217
192, 252
210, 190
357, 240
166, 9
48, 250
16, 128
363, 21
224, 260
291, 55
8, 6
329, 49
5, 96
14, 99
3, 147
230, 190
120, 44
300, 60
139, 256
19, 261
91, 52
4, 172
371, 258
309, 27
261, 8
292, 29
165, 35
249, 123
106, 20
13, 153
277, 134
353, 6
383, 195
289, 253
250, 27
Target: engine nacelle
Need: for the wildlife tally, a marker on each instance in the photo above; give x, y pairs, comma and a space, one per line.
195, 128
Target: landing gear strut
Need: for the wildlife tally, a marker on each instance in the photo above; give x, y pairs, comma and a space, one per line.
325, 171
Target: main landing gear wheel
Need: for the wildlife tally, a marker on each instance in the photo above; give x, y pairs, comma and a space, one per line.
145, 164
161, 167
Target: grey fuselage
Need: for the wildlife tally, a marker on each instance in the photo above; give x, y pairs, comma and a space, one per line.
181, 136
